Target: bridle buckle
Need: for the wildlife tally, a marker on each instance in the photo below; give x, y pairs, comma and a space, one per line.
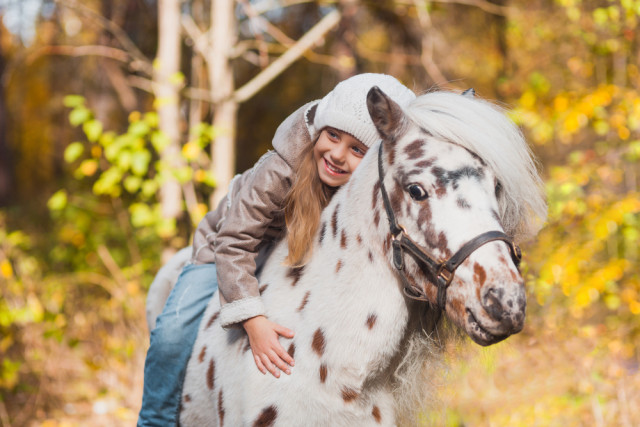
445, 274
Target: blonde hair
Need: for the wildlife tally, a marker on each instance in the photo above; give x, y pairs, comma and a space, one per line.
303, 206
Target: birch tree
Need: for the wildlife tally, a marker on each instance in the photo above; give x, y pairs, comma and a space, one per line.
215, 49
167, 83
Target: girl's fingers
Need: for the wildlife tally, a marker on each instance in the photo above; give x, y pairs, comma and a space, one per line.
279, 363
259, 364
285, 332
270, 367
284, 355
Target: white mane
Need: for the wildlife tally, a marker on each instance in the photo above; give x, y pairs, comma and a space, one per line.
484, 129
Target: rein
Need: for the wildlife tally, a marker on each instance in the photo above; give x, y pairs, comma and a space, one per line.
443, 270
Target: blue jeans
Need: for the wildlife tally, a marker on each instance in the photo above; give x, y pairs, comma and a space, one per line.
171, 343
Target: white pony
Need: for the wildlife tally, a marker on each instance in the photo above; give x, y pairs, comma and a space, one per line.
451, 170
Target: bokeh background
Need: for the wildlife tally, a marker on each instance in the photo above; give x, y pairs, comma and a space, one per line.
121, 122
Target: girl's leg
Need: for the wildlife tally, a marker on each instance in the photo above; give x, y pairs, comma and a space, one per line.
171, 344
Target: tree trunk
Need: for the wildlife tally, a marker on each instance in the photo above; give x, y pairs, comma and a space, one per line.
6, 172
223, 33
345, 41
167, 98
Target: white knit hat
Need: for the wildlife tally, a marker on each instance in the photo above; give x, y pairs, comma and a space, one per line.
345, 107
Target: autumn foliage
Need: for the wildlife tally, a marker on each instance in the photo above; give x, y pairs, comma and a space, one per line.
83, 233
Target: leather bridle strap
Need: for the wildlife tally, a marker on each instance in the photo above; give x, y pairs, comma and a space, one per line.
442, 271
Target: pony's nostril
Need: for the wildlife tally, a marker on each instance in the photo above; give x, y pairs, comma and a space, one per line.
492, 303
505, 309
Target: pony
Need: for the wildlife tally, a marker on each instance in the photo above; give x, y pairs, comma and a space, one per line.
425, 226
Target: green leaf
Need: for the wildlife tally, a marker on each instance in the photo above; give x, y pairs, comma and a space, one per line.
177, 78
73, 101
10, 373
123, 160
93, 129
183, 174
107, 138
73, 152
166, 228
151, 119
132, 183
140, 163
79, 115
141, 215
58, 201
108, 182
114, 150
600, 16
149, 188
139, 129
210, 180
159, 141
19, 239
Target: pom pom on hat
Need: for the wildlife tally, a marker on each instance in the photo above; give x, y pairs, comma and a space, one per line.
345, 107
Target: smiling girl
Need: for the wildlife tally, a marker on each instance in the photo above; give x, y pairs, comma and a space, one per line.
316, 150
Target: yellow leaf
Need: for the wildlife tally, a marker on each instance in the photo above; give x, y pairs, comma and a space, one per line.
624, 133
199, 212
528, 99
133, 288
96, 151
585, 296
561, 103
199, 175
134, 116
35, 307
5, 269
191, 150
88, 167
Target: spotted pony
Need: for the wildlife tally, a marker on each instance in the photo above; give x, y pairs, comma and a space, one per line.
453, 167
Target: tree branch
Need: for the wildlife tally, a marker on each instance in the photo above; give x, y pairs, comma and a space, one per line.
200, 38
265, 6
484, 5
427, 43
112, 267
89, 50
141, 61
296, 51
263, 58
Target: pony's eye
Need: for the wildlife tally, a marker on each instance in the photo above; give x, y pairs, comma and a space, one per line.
417, 192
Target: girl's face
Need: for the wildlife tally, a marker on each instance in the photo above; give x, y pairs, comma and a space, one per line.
337, 154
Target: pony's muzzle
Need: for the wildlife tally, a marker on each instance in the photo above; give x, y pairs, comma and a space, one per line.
506, 306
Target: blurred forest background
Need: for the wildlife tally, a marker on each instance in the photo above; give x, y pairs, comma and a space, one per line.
122, 121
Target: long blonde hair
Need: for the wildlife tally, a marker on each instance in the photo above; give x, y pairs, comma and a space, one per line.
303, 206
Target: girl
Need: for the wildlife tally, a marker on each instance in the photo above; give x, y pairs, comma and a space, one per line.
316, 150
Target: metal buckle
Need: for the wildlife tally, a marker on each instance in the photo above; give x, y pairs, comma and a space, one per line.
445, 274
516, 254
398, 236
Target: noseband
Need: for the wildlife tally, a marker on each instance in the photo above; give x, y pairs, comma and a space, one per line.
442, 270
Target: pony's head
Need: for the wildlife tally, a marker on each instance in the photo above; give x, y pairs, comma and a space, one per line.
455, 168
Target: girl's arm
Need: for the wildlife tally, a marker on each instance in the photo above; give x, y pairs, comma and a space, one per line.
232, 234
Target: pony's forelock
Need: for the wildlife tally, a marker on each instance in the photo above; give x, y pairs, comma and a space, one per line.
485, 129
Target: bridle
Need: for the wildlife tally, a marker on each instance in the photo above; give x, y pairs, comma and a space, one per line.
443, 271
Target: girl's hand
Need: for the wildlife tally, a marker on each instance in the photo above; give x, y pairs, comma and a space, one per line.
268, 354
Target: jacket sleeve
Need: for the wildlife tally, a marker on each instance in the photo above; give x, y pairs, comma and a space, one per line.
253, 203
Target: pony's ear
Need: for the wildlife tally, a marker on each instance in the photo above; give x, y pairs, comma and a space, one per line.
387, 116
469, 93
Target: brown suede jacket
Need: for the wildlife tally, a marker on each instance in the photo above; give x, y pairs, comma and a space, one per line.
250, 217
